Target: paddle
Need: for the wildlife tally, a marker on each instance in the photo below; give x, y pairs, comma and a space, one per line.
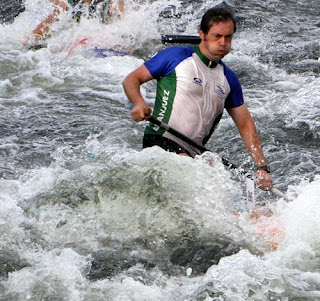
180, 39
203, 149
185, 139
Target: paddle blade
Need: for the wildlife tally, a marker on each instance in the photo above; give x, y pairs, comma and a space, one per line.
251, 198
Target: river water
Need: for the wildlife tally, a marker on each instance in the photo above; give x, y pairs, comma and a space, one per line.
86, 214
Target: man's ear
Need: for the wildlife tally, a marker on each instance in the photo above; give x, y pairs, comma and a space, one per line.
201, 34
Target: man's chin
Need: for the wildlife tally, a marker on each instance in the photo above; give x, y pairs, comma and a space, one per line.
218, 57
221, 55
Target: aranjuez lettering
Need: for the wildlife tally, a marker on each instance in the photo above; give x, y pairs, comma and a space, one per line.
165, 99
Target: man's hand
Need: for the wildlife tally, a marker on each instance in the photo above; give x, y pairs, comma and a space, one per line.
264, 180
140, 112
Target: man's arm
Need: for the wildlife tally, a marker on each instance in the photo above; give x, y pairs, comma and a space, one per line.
247, 129
42, 30
131, 85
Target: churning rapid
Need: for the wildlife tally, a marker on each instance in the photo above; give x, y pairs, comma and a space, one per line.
86, 214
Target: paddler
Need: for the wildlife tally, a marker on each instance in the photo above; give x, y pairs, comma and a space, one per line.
193, 88
110, 8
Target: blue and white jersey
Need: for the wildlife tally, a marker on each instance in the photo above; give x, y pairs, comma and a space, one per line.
192, 92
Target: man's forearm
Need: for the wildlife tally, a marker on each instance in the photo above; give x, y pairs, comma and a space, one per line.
131, 86
247, 129
251, 139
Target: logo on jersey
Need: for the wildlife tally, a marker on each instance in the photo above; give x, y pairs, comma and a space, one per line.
197, 81
219, 89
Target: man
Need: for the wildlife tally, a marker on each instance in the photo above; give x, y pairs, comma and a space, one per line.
42, 31
194, 86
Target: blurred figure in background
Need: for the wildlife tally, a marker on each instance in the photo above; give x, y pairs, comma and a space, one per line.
109, 9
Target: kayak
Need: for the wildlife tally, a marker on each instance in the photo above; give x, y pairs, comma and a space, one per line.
85, 47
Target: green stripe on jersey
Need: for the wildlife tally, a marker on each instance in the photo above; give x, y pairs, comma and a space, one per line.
166, 92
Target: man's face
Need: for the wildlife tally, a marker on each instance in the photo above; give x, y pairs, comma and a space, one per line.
217, 42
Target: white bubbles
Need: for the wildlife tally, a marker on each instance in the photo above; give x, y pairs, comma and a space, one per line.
251, 278
284, 86
132, 287
56, 274
9, 149
303, 108
292, 268
5, 87
300, 218
11, 215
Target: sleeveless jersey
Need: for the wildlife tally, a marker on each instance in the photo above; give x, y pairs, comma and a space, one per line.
192, 92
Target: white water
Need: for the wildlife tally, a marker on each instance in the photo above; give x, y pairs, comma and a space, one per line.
85, 214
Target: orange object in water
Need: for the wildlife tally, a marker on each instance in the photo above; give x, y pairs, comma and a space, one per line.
271, 229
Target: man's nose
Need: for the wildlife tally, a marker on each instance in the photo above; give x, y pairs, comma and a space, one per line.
222, 41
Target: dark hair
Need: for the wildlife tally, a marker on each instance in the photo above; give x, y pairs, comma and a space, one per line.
216, 15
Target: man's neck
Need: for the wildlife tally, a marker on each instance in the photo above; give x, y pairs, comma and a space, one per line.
209, 63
